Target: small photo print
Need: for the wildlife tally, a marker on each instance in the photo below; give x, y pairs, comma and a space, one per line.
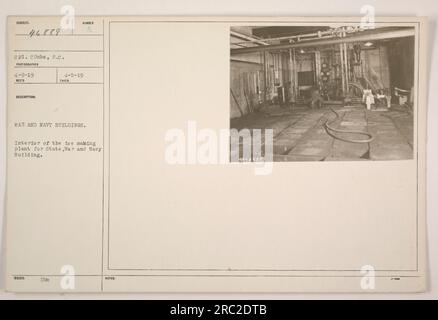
322, 93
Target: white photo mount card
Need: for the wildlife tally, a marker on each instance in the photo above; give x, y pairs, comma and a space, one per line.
182, 154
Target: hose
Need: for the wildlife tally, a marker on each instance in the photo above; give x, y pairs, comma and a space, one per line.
330, 131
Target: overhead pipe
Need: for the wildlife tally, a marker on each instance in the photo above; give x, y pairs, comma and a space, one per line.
305, 37
246, 37
300, 37
323, 42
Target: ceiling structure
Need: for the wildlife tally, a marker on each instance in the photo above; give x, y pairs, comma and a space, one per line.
268, 38
284, 31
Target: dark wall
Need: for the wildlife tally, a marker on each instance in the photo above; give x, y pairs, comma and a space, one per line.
401, 54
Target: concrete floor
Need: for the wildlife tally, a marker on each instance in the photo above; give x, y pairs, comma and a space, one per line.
299, 134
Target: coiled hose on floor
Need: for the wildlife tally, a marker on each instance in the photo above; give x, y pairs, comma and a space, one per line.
330, 131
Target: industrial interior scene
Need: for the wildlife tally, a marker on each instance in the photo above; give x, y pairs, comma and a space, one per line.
328, 93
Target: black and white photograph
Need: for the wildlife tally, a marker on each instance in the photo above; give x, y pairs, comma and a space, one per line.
281, 151
328, 93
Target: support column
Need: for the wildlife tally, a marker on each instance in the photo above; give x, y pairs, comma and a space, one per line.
341, 54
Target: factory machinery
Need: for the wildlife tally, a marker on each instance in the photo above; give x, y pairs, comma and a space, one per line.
333, 66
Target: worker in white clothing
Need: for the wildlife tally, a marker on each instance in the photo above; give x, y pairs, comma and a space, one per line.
368, 98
